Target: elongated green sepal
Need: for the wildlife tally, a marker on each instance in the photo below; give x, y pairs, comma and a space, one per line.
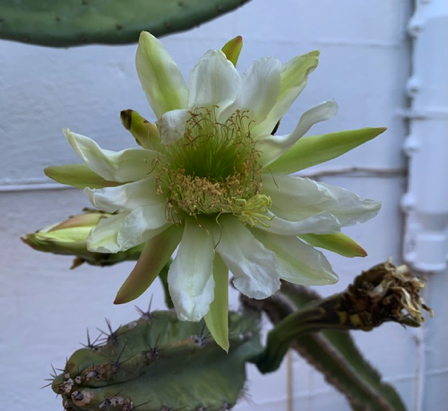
309, 151
78, 175
155, 255
232, 49
217, 318
338, 243
145, 133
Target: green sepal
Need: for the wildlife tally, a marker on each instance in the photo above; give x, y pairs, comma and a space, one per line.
145, 133
154, 256
309, 151
338, 243
217, 317
232, 49
78, 175
163, 276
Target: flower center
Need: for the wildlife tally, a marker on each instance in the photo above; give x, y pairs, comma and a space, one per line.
213, 170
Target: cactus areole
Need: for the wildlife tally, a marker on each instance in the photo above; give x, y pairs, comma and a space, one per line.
212, 179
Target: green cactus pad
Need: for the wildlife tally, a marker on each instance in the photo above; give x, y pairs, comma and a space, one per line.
159, 363
64, 23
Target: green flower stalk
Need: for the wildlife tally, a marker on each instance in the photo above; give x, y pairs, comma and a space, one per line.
381, 294
70, 238
211, 180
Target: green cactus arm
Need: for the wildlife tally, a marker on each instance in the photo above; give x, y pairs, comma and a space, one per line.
299, 314
335, 354
160, 363
65, 23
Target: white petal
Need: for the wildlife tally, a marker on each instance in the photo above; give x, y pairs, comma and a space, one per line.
295, 198
298, 263
319, 223
213, 81
259, 88
272, 147
141, 225
160, 76
190, 277
122, 166
348, 207
254, 266
125, 197
172, 125
103, 238
294, 77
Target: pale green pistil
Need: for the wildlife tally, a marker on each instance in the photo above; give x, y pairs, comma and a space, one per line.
213, 170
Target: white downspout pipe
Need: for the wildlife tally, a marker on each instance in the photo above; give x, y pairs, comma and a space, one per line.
426, 202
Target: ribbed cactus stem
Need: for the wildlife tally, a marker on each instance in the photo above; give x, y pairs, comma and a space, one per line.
160, 363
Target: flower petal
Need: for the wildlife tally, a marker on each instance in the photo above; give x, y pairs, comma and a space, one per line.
160, 76
142, 224
259, 87
272, 147
103, 238
154, 256
217, 318
349, 208
294, 198
190, 277
172, 125
254, 266
338, 243
77, 175
309, 151
298, 262
319, 223
213, 81
125, 197
122, 166
294, 77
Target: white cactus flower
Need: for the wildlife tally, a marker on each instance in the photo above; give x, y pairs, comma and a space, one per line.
213, 181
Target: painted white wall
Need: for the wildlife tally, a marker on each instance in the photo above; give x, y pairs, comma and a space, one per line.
45, 308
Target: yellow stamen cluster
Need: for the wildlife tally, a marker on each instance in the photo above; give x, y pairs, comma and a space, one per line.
213, 170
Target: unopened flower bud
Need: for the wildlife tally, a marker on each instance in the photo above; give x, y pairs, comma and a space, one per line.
70, 238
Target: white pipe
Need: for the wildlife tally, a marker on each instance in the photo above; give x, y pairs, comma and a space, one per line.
426, 239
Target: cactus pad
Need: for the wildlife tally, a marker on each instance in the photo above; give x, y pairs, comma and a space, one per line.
159, 363
64, 23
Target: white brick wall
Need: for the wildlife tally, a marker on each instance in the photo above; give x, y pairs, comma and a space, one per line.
45, 308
